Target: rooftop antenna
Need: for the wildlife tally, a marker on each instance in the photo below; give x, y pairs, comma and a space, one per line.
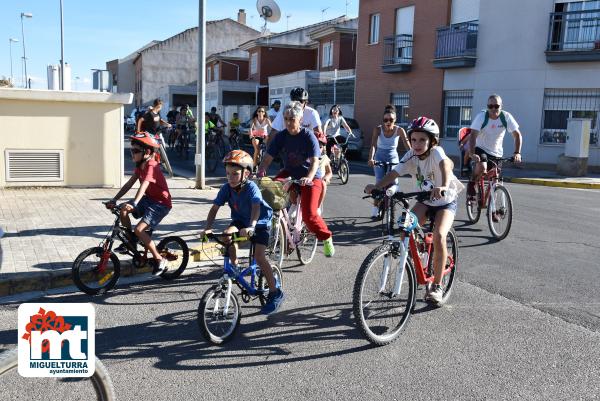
323, 12
287, 25
347, 2
269, 11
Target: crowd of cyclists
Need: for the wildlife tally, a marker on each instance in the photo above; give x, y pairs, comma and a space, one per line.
294, 134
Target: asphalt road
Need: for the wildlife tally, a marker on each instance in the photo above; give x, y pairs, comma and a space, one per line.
522, 323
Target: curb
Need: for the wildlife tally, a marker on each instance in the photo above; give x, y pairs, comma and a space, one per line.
553, 183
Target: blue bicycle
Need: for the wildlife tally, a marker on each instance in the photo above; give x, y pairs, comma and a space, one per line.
219, 311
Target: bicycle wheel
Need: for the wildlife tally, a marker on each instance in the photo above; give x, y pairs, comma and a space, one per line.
380, 315
213, 157
216, 326
451, 264
307, 246
500, 219
344, 171
164, 160
262, 283
387, 222
53, 388
276, 248
473, 206
177, 253
93, 275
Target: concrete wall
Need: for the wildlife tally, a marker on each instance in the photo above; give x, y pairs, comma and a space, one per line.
517, 70
86, 126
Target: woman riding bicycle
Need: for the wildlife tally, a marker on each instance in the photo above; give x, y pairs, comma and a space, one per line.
428, 163
259, 130
332, 128
301, 153
384, 146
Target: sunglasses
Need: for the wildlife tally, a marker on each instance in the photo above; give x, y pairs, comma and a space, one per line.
289, 118
493, 106
388, 120
136, 151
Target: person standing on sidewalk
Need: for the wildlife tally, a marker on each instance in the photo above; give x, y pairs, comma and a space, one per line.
152, 201
485, 141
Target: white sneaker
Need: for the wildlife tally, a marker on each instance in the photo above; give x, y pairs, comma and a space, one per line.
436, 294
374, 212
159, 267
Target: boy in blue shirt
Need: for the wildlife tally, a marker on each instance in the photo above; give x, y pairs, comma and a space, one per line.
250, 214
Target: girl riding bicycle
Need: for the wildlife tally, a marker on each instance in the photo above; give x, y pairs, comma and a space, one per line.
259, 130
332, 128
428, 163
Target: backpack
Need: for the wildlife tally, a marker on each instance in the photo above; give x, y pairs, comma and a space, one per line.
486, 119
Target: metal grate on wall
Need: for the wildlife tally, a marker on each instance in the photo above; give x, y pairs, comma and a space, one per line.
30, 165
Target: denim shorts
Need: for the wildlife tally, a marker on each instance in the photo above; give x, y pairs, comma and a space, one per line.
150, 212
261, 233
432, 210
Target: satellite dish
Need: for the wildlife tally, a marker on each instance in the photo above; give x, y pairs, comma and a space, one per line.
269, 11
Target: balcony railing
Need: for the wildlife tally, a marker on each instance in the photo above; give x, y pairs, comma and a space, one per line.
397, 53
574, 36
456, 45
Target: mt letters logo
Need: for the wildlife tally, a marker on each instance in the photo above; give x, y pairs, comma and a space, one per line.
57, 340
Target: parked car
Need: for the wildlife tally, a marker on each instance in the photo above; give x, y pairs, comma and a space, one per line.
355, 143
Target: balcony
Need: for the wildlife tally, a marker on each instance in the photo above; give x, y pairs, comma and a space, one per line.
574, 36
456, 45
397, 53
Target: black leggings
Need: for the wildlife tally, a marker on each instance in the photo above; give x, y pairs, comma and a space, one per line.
335, 140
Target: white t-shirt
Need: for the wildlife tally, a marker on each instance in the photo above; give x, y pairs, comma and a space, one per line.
490, 139
333, 126
271, 113
310, 120
429, 175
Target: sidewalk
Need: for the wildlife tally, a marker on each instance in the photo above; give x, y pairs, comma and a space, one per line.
550, 178
46, 228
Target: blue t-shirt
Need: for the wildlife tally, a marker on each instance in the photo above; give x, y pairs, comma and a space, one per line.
297, 151
241, 204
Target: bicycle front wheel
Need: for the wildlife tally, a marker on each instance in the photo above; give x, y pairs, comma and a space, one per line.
95, 272
380, 314
307, 246
344, 171
276, 248
264, 287
500, 218
176, 251
217, 326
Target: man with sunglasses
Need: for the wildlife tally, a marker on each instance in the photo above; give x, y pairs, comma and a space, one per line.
487, 133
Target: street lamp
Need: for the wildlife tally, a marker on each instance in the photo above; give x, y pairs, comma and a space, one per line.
10, 42
26, 15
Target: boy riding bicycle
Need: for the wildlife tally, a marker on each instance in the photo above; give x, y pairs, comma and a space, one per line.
152, 201
428, 163
250, 215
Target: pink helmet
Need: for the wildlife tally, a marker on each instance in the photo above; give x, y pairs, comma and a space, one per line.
425, 124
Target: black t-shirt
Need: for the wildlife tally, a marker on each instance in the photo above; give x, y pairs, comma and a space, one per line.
151, 122
214, 118
172, 116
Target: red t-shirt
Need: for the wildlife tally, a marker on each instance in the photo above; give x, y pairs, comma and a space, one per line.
158, 189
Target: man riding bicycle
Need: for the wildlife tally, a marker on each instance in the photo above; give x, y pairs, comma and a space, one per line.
485, 141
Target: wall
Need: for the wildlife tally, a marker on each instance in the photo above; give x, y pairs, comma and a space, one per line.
277, 60
424, 83
88, 126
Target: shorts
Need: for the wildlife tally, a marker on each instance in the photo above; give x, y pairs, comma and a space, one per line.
432, 210
484, 156
150, 212
261, 233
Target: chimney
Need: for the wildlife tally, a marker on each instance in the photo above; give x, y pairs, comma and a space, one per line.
242, 16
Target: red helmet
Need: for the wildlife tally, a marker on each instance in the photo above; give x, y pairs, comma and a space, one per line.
145, 139
239, 158
427, 125
321, 137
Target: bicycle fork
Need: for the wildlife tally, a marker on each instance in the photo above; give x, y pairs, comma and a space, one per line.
227, 297
388, 261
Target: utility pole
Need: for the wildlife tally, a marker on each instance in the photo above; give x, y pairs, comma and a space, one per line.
62, 50
200, 158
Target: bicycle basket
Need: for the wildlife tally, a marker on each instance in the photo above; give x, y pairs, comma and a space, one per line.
273, 193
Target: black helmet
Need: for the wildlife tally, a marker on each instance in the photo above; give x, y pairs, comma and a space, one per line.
298, 94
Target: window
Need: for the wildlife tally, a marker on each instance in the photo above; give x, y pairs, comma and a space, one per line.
582, 30
253, 63
216, 72
562, 104
457, 112
374, 29
327, 54
209, 73
401, 101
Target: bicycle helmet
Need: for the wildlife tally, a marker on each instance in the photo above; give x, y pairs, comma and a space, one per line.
239, 158
427, 125
145, 140
299, 94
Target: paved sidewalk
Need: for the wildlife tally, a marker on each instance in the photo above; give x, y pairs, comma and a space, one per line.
46, 228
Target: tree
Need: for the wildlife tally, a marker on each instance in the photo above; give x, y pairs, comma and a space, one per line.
5, 83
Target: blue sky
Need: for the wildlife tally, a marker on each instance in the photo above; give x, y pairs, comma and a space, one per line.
96, 32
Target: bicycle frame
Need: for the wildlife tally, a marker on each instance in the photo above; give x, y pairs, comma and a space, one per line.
292, 231
487, 185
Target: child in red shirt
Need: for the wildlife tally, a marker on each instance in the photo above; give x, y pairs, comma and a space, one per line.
152, 201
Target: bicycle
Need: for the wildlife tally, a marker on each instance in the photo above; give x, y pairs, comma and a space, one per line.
182, 144
101, 383
219, 312
162, 153
339, 163
215, 149
97, 270
385, 287
262, 148
491, 193
234, 139
386, 210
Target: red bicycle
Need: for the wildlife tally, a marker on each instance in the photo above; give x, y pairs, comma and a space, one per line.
491, 194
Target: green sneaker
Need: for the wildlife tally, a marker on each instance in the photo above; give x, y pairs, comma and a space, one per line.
328, 248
